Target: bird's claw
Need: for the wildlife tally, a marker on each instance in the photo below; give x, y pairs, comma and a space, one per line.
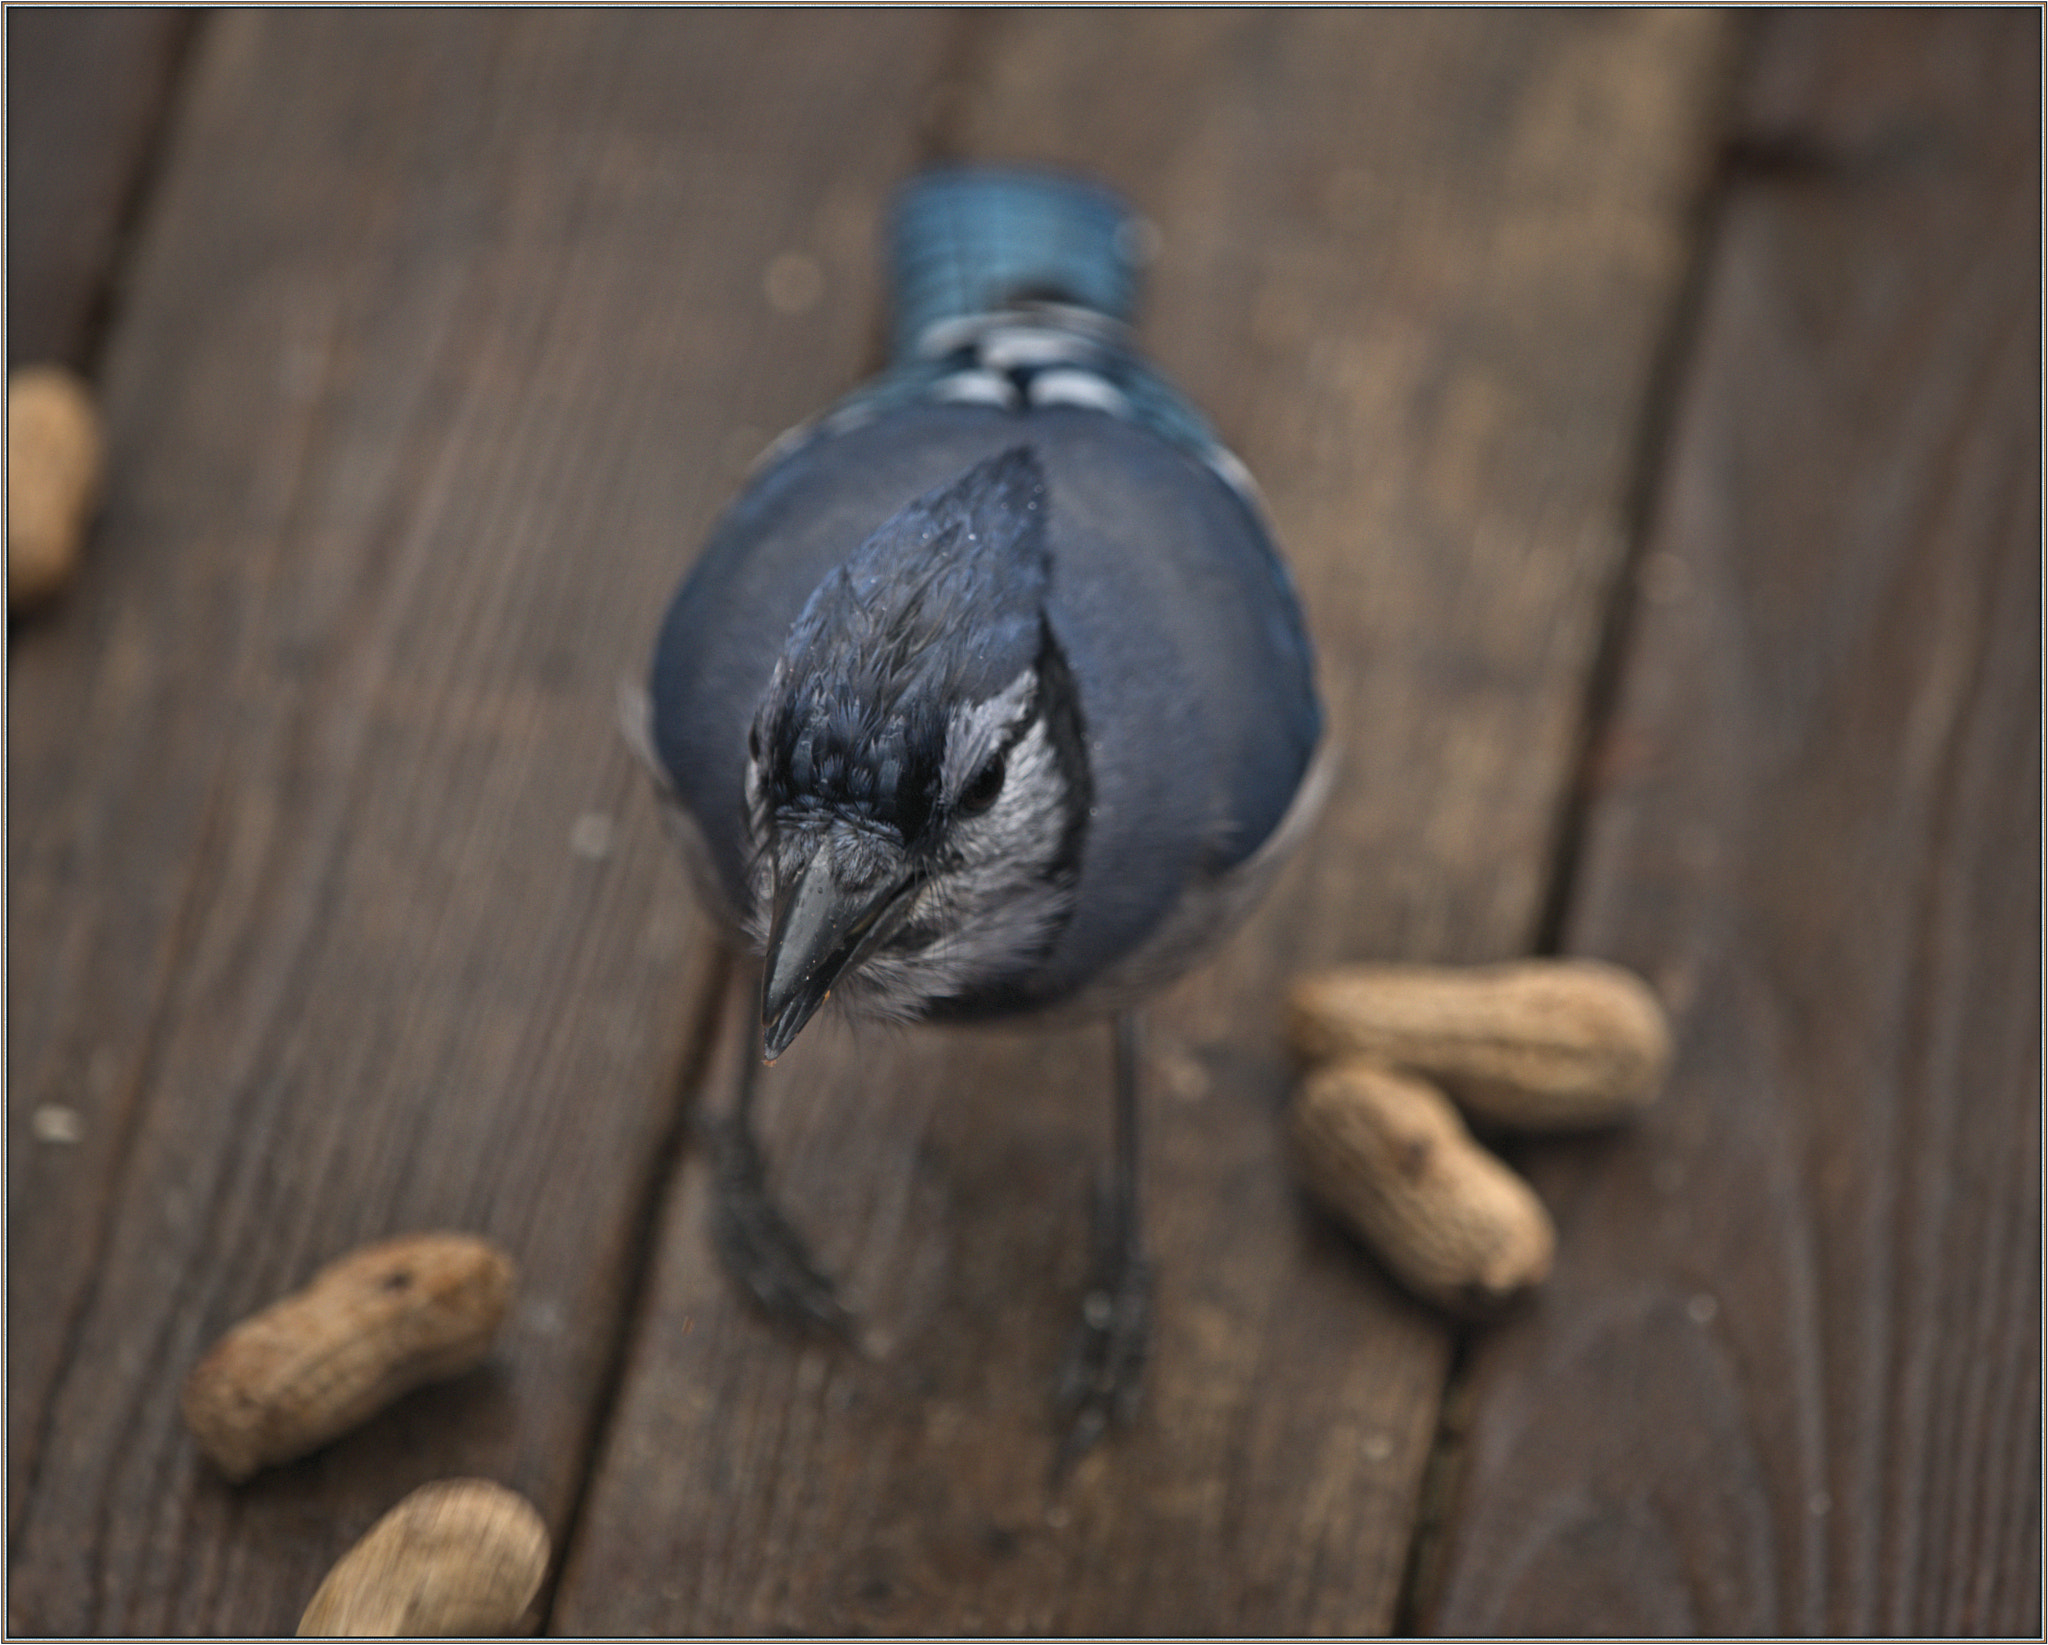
760, 1249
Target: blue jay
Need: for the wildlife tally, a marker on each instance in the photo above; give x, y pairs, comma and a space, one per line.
989, 695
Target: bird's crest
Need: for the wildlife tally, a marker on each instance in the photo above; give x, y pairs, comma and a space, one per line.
942, 605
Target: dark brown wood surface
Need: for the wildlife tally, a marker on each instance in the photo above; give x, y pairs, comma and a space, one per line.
337, 908
87, 99
1787, 1377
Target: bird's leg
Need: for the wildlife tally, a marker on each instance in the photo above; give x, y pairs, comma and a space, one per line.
1105, 1367
760, 1249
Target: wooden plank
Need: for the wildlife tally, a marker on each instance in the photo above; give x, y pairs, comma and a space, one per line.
88, 89
1417, 264
1788, 1377
331, 907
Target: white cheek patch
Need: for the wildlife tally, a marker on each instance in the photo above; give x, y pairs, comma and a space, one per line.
1020, 834
977, 731
996, 902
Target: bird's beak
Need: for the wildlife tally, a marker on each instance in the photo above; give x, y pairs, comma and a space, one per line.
822, 929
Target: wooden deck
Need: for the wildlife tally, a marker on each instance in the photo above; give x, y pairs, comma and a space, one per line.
1649, 402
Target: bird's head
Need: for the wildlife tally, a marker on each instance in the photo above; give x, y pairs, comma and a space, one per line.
917, 781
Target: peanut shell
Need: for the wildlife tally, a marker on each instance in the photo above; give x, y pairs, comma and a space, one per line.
1537, 1045
460, 1556
1389, 1155
366, 1329
54, 458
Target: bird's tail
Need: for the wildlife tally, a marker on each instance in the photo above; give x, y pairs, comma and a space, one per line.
975, 239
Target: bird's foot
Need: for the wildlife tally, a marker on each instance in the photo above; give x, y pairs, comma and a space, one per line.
760, 1249
1104, 1373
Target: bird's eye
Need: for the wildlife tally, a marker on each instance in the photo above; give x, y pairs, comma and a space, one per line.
983, 787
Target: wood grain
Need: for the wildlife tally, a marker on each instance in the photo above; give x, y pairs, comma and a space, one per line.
1418, 266
1788, 1377
331, 908
88, 90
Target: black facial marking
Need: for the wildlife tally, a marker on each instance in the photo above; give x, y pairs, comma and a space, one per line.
1059, 703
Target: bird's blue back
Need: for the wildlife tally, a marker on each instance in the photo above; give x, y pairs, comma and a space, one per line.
978, 240
1013, 295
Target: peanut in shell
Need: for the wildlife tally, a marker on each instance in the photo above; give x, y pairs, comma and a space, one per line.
1534, 1045
457, 1557
376, 1324
1389, 1155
